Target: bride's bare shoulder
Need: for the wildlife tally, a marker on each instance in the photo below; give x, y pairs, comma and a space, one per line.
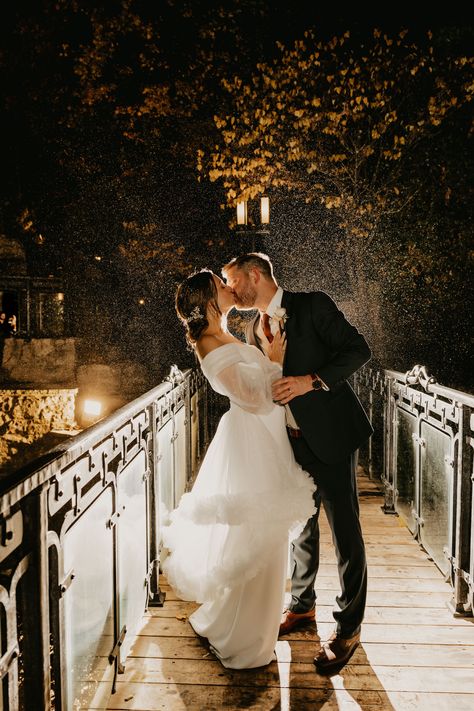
205, 344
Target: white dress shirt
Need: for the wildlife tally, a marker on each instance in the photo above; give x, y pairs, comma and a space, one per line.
274, 304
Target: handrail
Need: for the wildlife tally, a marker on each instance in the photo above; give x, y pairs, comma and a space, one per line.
429, 384
16, 484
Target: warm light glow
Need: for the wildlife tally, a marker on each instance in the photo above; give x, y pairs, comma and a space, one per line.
60, 296
141, 301
98, 258
242, 212
265, 210
92, 408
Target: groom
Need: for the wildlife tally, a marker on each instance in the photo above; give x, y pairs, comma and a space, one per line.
326, 424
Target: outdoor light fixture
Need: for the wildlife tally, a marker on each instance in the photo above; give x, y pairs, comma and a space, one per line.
247, 216
242, 212
92, 408
60, 296
141, 301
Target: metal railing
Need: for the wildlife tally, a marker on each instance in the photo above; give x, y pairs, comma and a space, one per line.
423, 449
80, 542
80, 529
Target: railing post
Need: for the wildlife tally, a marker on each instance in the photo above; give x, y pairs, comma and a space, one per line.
370, 463
188, 427
44, 579
389, 423
156, 597
462, 487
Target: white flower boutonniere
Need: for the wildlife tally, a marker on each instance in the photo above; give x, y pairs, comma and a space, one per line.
279, 318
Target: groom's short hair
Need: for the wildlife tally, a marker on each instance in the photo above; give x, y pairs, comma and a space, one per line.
252, 260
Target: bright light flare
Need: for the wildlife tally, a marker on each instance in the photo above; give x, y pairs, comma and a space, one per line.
92, 408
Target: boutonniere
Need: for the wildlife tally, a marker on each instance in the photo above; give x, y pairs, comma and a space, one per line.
279, 318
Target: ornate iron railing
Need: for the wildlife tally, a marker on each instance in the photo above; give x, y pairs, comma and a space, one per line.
80, 541
423, 450
80, 529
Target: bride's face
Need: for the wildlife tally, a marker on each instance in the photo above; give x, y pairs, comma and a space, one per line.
225, 295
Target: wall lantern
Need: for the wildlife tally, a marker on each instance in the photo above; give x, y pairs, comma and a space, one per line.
253, 218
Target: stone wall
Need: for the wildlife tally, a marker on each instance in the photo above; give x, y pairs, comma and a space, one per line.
28, 415
46, 361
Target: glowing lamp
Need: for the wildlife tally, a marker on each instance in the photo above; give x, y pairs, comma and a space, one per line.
60, 296
265, 210
242, 212
92, 408
141, 301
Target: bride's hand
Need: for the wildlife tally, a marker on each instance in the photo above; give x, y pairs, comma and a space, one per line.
277, 348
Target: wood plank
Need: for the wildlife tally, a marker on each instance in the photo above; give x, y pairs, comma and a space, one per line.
381, 654
377, 678
386, 584
394, 585
388, 571
381, 615
170, 697
452, 634
402, 599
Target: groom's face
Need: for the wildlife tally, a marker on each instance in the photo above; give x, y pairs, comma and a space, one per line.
243, 286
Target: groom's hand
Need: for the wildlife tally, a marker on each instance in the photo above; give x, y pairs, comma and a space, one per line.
286, 388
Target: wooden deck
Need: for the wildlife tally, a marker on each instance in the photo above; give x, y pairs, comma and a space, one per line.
414, 654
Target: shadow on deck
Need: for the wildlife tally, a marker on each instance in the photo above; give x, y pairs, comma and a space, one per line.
414, 654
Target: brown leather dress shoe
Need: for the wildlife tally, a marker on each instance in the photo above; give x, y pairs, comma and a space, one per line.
336, 652
293, 620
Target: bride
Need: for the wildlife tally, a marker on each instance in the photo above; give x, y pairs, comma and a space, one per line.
228, 538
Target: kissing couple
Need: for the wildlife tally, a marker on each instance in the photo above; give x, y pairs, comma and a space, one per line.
287, 443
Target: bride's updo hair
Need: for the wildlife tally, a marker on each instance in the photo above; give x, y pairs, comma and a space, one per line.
193, 297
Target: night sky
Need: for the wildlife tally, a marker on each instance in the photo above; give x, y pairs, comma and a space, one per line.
101, 185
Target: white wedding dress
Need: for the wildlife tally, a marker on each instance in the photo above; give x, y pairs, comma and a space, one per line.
228, 538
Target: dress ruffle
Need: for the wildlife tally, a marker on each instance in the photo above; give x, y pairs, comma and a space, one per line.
243, 533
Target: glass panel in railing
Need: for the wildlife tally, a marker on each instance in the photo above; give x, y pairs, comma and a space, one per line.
436, 493
406, 467
389, 437
377, 437
89, 606
362, 393
180, 469
194, 433
132, 548
165, 469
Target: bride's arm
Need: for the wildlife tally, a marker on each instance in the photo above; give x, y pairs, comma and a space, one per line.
249, 384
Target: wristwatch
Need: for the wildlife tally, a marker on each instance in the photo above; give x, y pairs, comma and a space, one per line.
317, 383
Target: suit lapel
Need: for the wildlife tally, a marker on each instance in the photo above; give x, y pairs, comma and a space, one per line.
286, 302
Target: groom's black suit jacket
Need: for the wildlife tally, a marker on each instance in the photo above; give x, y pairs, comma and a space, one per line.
320, 340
